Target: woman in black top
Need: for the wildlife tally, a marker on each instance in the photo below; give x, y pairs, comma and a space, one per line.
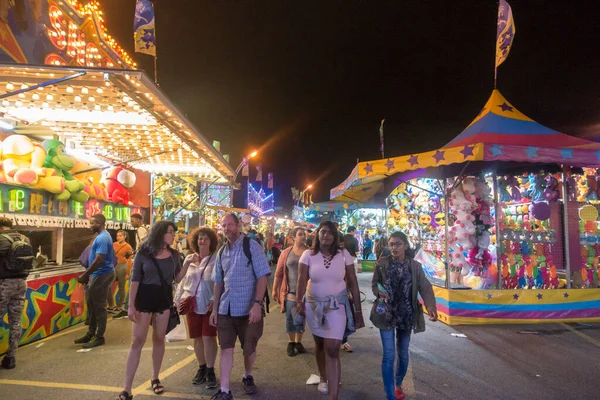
150, 299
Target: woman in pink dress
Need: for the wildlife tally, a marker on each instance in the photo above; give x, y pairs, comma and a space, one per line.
326, 305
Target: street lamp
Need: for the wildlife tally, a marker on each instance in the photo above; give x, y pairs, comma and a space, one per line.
244, 162
301, 197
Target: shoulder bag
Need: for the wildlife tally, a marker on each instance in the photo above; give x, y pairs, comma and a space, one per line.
188, 305
173, 315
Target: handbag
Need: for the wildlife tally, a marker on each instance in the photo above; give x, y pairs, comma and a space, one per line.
188, 305
173, 315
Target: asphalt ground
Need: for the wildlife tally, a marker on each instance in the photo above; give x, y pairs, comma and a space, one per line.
551, 361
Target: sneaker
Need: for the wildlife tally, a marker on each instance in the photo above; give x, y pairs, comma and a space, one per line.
211, 380
95, 342
249, 386
300, 349
222, 396
112, 310
9, 362
346, 346
323, 388
120, 315
399, 394
84, 339
291, 349
200, 377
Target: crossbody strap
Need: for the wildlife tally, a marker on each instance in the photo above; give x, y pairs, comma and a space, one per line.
160, 275
202, 274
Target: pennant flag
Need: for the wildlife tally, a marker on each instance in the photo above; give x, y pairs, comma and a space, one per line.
245, 169
259, 173
270, 180
381, 138
226, 157
143, 28
217, 145
505, 33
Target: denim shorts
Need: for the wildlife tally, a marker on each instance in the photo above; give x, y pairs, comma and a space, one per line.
290, 315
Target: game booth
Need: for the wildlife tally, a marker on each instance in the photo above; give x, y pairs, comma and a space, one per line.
504, 218
81, 137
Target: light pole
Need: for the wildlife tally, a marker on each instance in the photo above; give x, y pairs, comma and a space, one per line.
301, 197
243, 163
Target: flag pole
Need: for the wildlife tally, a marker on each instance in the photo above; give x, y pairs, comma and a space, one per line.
496, 48
155, 70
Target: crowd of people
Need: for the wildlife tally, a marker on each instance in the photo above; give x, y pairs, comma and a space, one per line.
221, 288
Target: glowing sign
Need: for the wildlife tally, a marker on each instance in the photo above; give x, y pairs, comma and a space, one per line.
17, 200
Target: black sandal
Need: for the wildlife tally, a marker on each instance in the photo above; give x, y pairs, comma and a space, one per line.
157, 387
124, 396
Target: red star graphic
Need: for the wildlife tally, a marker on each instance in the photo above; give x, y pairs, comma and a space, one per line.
46, 310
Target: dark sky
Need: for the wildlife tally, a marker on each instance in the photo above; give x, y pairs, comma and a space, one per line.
313, 79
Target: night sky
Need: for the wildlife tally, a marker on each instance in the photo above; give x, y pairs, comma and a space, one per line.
313, 79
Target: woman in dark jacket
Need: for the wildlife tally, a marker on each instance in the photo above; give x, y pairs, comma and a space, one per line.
397, 282
150, 299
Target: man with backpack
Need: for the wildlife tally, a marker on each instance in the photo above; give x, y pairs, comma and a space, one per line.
16, 261
240, 275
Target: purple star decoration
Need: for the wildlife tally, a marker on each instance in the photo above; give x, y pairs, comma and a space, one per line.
505, 107
413, 160
369, 168
390, 164
438, 156
467, 151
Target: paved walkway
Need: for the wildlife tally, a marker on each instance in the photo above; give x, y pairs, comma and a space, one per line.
494, 362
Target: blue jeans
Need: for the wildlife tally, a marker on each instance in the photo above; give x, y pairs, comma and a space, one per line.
290, 315
390, 348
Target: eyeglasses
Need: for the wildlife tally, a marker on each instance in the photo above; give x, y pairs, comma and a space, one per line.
396, 244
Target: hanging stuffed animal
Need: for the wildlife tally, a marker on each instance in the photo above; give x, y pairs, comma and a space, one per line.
469, 189
591, 192
515, 190
551, 192
503, 194
535, 192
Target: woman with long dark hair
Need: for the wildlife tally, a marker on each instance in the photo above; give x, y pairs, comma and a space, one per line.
284, 289
326, 305
194, 298
155, 267
397, 281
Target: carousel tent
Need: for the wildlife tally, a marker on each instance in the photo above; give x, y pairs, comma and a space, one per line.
500, 134
334, 206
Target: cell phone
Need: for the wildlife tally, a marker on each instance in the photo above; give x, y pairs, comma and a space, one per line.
381, 288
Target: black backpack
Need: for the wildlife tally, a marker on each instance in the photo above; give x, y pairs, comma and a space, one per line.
248, 253
20, 255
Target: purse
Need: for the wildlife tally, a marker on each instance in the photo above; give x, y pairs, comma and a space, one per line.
188, 305
173, 315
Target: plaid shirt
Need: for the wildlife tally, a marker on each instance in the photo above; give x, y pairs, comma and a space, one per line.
234, 269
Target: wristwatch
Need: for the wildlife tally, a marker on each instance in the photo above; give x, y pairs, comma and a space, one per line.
259, 302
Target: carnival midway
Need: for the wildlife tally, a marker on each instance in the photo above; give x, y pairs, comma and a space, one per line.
119, 217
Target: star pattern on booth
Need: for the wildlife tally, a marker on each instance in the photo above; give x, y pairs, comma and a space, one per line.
47, 308
531, 151
390, 164
413, 160
467, 151
438, 156
597, 153
496, 150
516, 296
505, 107
566, 153
566, 295
540, 296
369, 168
489, 296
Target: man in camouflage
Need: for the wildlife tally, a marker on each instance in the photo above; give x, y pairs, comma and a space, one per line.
13, 287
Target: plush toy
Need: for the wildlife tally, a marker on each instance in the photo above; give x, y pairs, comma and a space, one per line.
582, 189
91, 177
58, 179
23, 160
591, 185
551, 192
117, 180
535, 192
515, 191
503, 194
469, 189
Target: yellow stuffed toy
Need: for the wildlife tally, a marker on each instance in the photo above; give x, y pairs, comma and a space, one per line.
23, 160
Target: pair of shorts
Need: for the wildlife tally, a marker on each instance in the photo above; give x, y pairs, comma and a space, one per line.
199, 325
290, 318
229, 328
